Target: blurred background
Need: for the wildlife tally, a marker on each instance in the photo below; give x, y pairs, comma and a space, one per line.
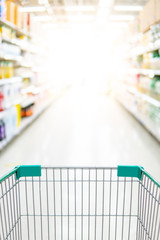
80, 83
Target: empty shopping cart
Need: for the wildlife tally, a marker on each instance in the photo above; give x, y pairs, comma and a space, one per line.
79, 203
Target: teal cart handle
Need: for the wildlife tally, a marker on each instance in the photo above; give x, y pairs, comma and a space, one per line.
135, 171
28, 171
24, 171
130, 171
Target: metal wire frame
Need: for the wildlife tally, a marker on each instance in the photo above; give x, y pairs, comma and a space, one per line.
80, 204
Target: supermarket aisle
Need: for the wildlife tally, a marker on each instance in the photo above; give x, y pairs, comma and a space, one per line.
87, 129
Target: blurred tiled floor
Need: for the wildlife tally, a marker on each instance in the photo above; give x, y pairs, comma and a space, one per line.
84, 128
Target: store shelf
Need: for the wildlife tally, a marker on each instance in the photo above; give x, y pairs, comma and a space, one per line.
26, 122
9, 105
144, 97
150, 72
29, 120
27, 102
27, 75
11, 41
13, 103
12, 80
16, 43
145, 122
142, 50
9, 57
24, 65
19, 31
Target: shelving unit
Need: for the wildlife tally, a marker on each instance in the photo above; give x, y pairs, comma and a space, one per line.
19, 44
139, 88
12, 80
19, 31
148, 124
144, 97
150, 72
142, 50
26, 122
18, 52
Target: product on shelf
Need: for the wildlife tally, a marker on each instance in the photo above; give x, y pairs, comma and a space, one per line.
10, 11
17, 17
6, 69
18, 107
154, 113
1, 99
155, 87
2, 130
143, 84
2, 9
7, 32
27, 111
10, 120
9, 95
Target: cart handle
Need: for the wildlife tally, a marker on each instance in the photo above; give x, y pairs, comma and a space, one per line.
122, 171
24, 171
130, 171
134, 171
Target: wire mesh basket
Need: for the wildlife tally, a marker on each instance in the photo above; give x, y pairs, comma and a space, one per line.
71, 203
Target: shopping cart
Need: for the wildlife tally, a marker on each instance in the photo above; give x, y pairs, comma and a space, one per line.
79, 203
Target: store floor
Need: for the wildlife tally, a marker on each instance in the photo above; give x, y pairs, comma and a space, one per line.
84, 128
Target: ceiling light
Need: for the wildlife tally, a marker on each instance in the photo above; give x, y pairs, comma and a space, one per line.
134, 8
33, 9
122, 17
80, 8
43, 18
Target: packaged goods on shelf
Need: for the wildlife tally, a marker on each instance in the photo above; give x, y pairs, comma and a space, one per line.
155, 32
2, 9
9, 95
12, 121
2, 130
27, 111
10, 11
29, 24
155, 88
18, 108
6, 69
143, 84
7, 32
23, 94
154, 113
140, 91
18, 17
